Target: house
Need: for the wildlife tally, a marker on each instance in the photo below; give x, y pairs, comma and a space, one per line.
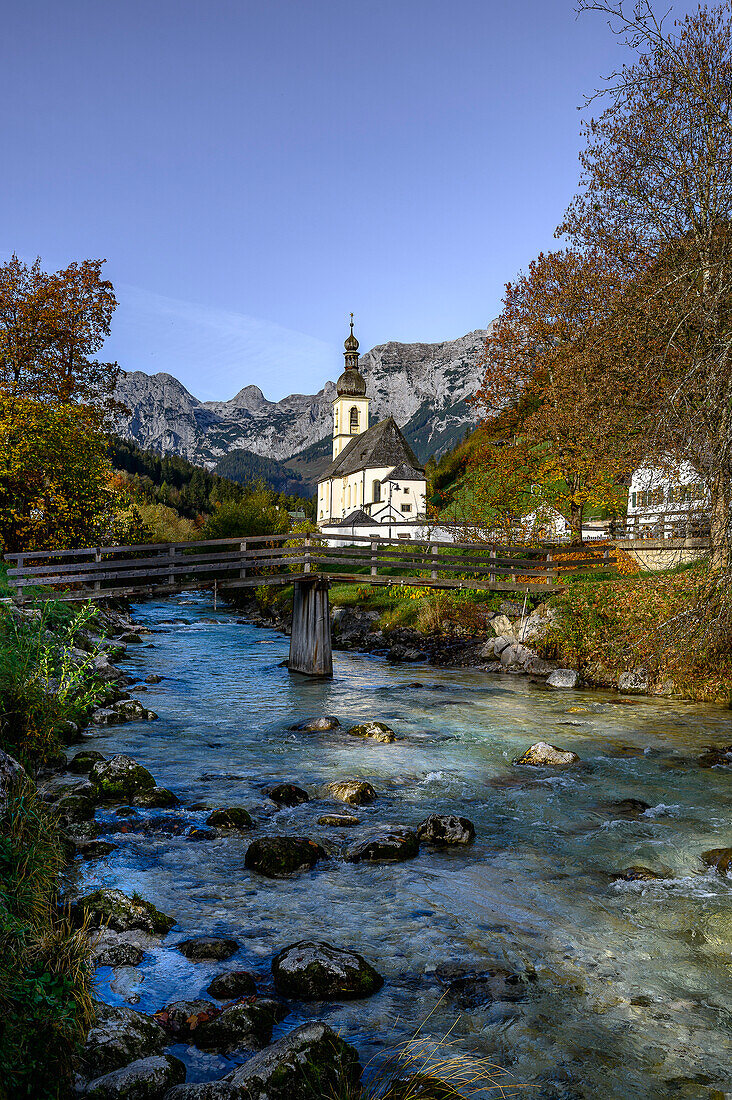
663, 499
374, 484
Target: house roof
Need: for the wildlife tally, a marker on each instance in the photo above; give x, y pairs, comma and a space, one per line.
359, 518
380, 445
404, 472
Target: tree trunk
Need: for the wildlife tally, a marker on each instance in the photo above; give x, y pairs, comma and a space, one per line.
719, 558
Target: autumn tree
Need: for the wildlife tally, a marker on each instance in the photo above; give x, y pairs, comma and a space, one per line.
655, 200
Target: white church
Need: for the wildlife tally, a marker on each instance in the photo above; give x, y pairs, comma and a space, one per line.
374, 485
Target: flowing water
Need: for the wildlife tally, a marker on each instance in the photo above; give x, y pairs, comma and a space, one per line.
631, 994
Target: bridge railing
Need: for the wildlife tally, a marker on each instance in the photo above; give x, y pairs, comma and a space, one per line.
161, 568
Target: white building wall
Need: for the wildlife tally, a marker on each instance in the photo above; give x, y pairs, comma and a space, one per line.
676, 488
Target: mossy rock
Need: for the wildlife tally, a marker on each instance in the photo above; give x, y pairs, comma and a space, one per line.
718, 858
393, 845
232, 985
353, 792
231, 817
282, 856
83, 762
155, 798
317, 971
287, 794
113, 909
374, 731
120, 778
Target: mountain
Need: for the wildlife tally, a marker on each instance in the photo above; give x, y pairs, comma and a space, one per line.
423, 386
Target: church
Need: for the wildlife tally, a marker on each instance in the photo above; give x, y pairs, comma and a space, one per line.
374, 480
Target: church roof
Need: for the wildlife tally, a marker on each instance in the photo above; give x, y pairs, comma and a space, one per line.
404, 472
359, 518
380, 445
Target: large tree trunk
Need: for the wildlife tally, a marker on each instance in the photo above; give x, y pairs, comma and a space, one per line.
719, 558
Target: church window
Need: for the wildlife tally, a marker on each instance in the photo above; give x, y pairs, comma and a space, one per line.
354, 420
377, 491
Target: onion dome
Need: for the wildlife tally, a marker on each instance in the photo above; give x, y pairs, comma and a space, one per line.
351, 383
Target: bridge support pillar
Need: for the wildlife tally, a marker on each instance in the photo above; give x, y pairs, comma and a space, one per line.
311, 652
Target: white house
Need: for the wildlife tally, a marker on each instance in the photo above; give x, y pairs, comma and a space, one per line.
374, 485
661, 498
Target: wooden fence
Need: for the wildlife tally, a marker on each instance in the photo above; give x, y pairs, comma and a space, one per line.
162, 568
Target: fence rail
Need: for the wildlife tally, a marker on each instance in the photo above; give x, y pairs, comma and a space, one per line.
162, 568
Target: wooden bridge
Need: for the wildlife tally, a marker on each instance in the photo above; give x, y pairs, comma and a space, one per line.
308, 562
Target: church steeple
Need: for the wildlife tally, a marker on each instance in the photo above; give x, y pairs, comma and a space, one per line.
351, 406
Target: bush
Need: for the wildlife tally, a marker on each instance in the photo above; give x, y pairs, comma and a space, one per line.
251, 516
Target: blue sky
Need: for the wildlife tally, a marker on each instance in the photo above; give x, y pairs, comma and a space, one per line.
253, 170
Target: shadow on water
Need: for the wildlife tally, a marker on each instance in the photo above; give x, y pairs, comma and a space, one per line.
623, 988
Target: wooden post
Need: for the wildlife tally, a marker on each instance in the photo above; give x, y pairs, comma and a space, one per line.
549, 571
19, 590
242, 567
307, 553
97, 558
492, 575
311, 651
374, 566
434, 550
171, 574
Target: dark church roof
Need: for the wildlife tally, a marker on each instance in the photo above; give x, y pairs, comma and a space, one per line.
359, 518
381, 445
404, 472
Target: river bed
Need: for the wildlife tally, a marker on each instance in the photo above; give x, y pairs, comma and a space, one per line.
629, 994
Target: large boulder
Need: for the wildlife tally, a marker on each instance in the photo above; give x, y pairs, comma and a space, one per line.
233, 984
206, 1090
353, 792
502, 626
113, 909
231, 817
146, 1079
283, 856
633, 683
446, 829
83, 762
313, 725
542, 755
245, 1025
218, 948
183, 1018
310, 1063
120, 778
563, 678
316, 971
391, 845
374, 731
119, 1036
287, 794
11, 773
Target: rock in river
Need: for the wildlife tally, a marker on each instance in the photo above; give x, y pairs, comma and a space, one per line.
208, 947
84, 761
352, 791
231, 817
338, 821
120, 779
311, 1061
312, 725
244, 1025
543, 754
235, 983
637, 873
312, 971
718, 858
282, 856
146, 1079
206, 1090
563, 678
182, 1018
113, 909
118, 1036
392, 845
287, 794
155, 798
374, 731
444, 829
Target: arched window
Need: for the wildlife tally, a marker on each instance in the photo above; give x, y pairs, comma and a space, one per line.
354, 421
349, 496
377, 491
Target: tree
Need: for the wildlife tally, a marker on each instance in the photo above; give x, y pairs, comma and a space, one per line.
559, 430
655, 200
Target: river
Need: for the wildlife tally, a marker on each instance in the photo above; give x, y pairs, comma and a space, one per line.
629, 994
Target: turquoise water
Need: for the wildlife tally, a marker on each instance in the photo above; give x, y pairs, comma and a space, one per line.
631, 990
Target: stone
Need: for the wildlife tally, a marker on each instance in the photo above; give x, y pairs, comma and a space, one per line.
93, 849
313, 725
495, 983
374, 731
231, 817
716, 757
155, 798
74, 807
205, 1090
338, 821
83, 762
287, 794
542, 754
516, 655
120, 778
421, 1086
501, 643
11, 774
113, 909
194, 833
563, 678
629, 807
244, 1025
235, 983
637, 873
119, 1035
153, 678
718, 858
282, 856
317, 971
353, 792
502, 627
119, 954
445, 829
182, 1018
208, 947
146, 1079
633, 683
311, 1062
393, 845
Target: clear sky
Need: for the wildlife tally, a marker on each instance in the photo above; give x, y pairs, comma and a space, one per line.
253, 170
